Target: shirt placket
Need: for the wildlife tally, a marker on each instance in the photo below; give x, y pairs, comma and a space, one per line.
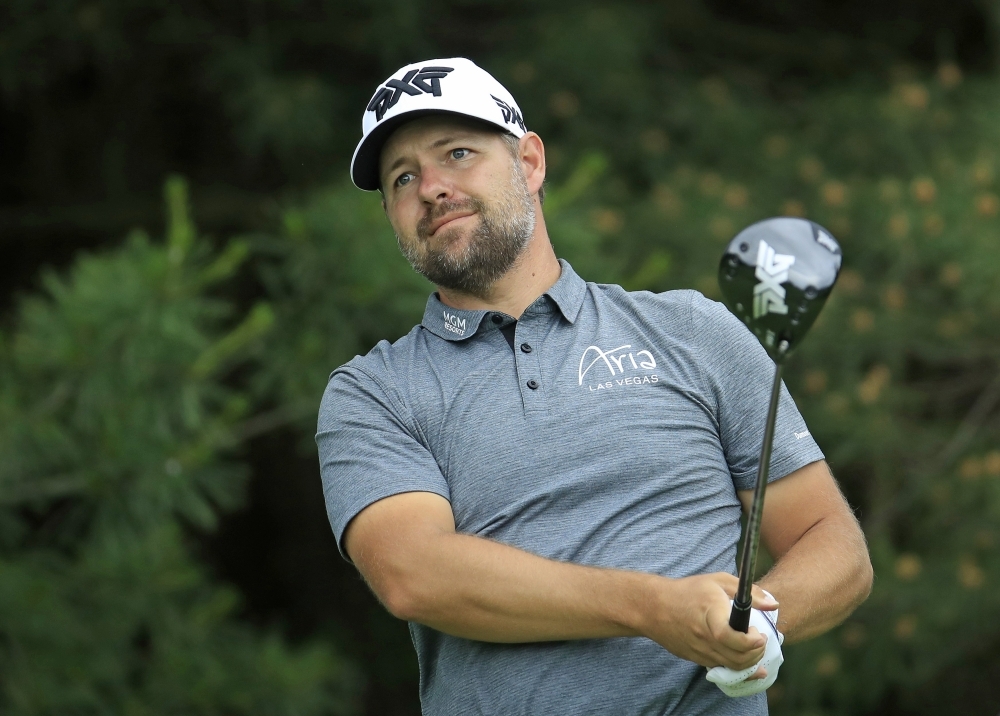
527, 358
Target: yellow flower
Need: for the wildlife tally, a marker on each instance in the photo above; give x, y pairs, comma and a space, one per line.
710, 184
607, 221
793, 207
736, 196
949, 75
834, 193
828, 664
815, 382
924, 190
871, 387
991, 463
894, 297
906, 625
913, 94
899, 225
564, 104
951, 274
810, 169
862, 320
933, 224
970, 575
850, 281
970, 469
908, 567
987, 204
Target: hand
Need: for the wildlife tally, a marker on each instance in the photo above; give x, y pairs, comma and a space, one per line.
759, 677
690, 618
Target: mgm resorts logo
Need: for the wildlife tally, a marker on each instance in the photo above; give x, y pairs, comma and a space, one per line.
772, 271
426, 80
454, 324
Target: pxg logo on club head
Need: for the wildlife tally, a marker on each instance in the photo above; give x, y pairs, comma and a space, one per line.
772, 270
776, 276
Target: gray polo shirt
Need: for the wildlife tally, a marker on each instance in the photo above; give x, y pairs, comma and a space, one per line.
616, 434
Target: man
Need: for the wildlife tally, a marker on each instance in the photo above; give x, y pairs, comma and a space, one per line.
545, 477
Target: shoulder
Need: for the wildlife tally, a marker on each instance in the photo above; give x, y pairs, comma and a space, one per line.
678, 301
386, 359
680, 312
374, 377
619, 294
709, 310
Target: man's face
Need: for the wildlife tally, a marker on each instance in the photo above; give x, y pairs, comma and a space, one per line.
458, 201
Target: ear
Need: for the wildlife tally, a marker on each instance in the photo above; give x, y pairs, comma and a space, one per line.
533, 161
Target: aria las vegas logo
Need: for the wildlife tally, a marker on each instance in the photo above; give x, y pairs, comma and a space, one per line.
772, 271
454, 324
624, 366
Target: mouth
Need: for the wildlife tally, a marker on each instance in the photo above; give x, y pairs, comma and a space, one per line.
447, 220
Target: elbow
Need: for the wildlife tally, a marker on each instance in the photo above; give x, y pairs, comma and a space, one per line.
407, 593
860, 582
401, 599
862, 576
866, 578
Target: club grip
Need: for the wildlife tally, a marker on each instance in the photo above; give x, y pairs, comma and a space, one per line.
739, 618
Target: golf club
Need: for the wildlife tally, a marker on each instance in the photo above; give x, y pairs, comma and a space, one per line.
775, 276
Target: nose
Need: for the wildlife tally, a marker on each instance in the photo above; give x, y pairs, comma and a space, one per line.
434, 185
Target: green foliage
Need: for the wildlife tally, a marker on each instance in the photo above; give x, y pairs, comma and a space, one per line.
129, 383
263, 94
114, 426
339, 284
890, 378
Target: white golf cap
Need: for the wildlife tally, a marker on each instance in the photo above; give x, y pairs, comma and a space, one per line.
453, 86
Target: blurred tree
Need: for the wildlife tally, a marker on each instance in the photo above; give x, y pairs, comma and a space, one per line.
100, 99
127, 387
115, 426
901, 381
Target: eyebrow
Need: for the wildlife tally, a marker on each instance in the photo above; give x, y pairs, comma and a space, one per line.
439, 143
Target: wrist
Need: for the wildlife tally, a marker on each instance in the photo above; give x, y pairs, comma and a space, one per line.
645, 602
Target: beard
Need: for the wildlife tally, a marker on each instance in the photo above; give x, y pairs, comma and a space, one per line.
505, 226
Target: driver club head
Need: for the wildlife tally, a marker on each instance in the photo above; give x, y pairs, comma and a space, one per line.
776, 276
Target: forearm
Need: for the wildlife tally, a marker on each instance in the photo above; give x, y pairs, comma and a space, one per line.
423, 571
821, 579
478, 589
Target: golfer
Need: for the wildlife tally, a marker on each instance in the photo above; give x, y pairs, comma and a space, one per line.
545, 477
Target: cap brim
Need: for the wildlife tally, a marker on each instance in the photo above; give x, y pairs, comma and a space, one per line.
365, 164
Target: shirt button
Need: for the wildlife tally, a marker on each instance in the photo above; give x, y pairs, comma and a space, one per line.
497, 319
525, 348
533, 384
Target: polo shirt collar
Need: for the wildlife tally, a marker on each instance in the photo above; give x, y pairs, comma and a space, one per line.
456, 324
452, 324
568, 292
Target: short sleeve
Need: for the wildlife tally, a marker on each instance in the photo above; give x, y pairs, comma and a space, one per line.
368, 450
739, 374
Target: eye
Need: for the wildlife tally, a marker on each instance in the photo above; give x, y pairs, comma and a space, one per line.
404, 179
459, 153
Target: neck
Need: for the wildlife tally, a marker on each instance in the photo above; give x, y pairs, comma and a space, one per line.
535, 272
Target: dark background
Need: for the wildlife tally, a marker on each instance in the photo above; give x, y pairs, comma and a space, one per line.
257, 105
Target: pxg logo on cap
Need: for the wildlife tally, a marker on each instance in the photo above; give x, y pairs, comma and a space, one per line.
455, 86
414, 82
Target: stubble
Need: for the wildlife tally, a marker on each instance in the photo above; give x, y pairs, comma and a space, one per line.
505, 225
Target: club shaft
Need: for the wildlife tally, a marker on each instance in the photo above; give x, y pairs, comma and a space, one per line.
739, 619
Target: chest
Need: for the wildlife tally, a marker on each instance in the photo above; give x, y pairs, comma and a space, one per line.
572, 426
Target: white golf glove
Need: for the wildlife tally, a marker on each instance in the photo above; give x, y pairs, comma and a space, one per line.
734, 683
